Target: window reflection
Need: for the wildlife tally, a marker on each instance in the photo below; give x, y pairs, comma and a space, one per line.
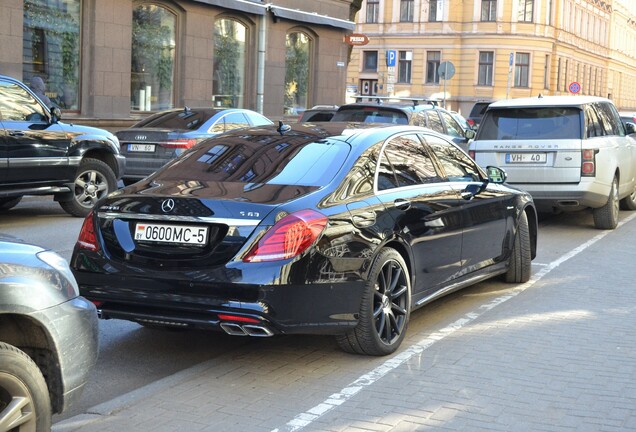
296, 72
229, 63
51, 48
153, 54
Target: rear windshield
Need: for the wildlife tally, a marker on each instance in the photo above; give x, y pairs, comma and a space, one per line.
370, 115
183, 120
478, 109
531, 124
258, 159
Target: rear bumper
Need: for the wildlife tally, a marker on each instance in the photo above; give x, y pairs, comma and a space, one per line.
320, 308
569, 196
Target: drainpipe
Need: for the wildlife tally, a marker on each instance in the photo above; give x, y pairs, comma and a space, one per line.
260, 66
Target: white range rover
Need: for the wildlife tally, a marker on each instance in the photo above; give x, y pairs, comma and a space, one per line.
569, 152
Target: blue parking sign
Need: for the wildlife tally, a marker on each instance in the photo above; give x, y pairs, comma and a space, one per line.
391, 58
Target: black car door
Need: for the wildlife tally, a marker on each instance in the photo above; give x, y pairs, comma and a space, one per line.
425, 210
484, 217
36, 149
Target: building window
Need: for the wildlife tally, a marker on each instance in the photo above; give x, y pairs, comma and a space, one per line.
522, 69
297, 67
373, 11
369, 61
228, 82
152, 60
488, 10
526, 10
435, 10
432, 66
51, 49
406, 10
405, 58
486, 60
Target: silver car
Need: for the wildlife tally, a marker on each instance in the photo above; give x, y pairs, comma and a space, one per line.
48, 337
570, 153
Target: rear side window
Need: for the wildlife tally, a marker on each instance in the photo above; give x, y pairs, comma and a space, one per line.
371, 115
405, 162
533, 123
609, 119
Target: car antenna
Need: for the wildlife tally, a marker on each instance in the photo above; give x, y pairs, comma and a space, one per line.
283, 128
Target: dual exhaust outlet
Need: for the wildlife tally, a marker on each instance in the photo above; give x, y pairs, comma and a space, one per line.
234, 329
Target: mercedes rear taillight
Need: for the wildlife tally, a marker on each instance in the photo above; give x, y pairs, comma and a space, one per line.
289, 237
87, 238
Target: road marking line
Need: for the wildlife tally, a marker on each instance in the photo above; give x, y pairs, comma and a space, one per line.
305, 419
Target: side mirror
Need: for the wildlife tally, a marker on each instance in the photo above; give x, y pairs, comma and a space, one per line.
56, 114
630, 128
496, 174
470, 134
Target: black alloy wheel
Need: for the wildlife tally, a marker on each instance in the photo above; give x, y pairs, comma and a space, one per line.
385, 309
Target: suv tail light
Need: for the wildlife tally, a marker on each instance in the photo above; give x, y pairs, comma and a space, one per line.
289, 237
471, 122
87, 238
180, 144
588, 163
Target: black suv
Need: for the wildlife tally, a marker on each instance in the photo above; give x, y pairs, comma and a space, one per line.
476, 113
413, 111
39, 155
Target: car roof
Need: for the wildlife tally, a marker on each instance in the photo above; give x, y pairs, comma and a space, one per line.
547, 101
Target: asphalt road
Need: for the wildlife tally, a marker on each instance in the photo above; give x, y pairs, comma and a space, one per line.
132, 356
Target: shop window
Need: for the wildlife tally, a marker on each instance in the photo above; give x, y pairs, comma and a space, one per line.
51, 49
297, 67
153, 56
228, 84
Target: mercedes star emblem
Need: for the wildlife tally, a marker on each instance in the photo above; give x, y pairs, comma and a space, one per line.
167, 205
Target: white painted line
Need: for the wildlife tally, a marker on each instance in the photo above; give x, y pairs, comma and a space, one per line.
308, 417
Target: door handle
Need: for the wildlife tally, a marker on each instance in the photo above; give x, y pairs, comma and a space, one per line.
16, 133
402, 204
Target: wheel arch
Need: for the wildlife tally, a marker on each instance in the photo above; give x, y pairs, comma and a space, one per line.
104, 156
32, 338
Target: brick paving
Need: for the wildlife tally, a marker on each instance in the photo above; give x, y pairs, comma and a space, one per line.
558, 355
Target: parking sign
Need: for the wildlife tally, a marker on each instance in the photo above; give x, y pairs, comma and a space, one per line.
391, 58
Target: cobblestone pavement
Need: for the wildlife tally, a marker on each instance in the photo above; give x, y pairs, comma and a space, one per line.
555, 354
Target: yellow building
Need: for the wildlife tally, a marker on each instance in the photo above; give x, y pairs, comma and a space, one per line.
495, 49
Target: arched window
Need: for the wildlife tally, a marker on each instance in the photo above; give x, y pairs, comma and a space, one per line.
153, 54
51, 41
297, 67
228, 83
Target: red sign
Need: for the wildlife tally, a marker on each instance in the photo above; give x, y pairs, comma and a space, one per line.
574, 87
356, 39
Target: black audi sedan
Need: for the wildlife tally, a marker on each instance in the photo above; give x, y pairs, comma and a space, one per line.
329, 228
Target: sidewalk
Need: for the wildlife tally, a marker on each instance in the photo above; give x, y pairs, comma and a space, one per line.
555, 354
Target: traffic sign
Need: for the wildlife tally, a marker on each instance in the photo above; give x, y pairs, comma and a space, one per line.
574, 87
446, 70
391, 57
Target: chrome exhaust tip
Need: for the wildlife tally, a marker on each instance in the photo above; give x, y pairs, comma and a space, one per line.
257, 331
233, 329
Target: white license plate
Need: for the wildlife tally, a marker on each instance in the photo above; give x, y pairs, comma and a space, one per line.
180, 234
512, 158
141, 147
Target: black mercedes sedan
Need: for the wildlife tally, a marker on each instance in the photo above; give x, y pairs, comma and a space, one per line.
328, 228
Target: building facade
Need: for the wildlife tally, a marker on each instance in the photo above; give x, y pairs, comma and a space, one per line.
496, 49
111, 62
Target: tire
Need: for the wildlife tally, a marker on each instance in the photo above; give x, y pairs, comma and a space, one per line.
606, 217
520, 264
385, 308
93, 181
9, 203
629, 202
22, 385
